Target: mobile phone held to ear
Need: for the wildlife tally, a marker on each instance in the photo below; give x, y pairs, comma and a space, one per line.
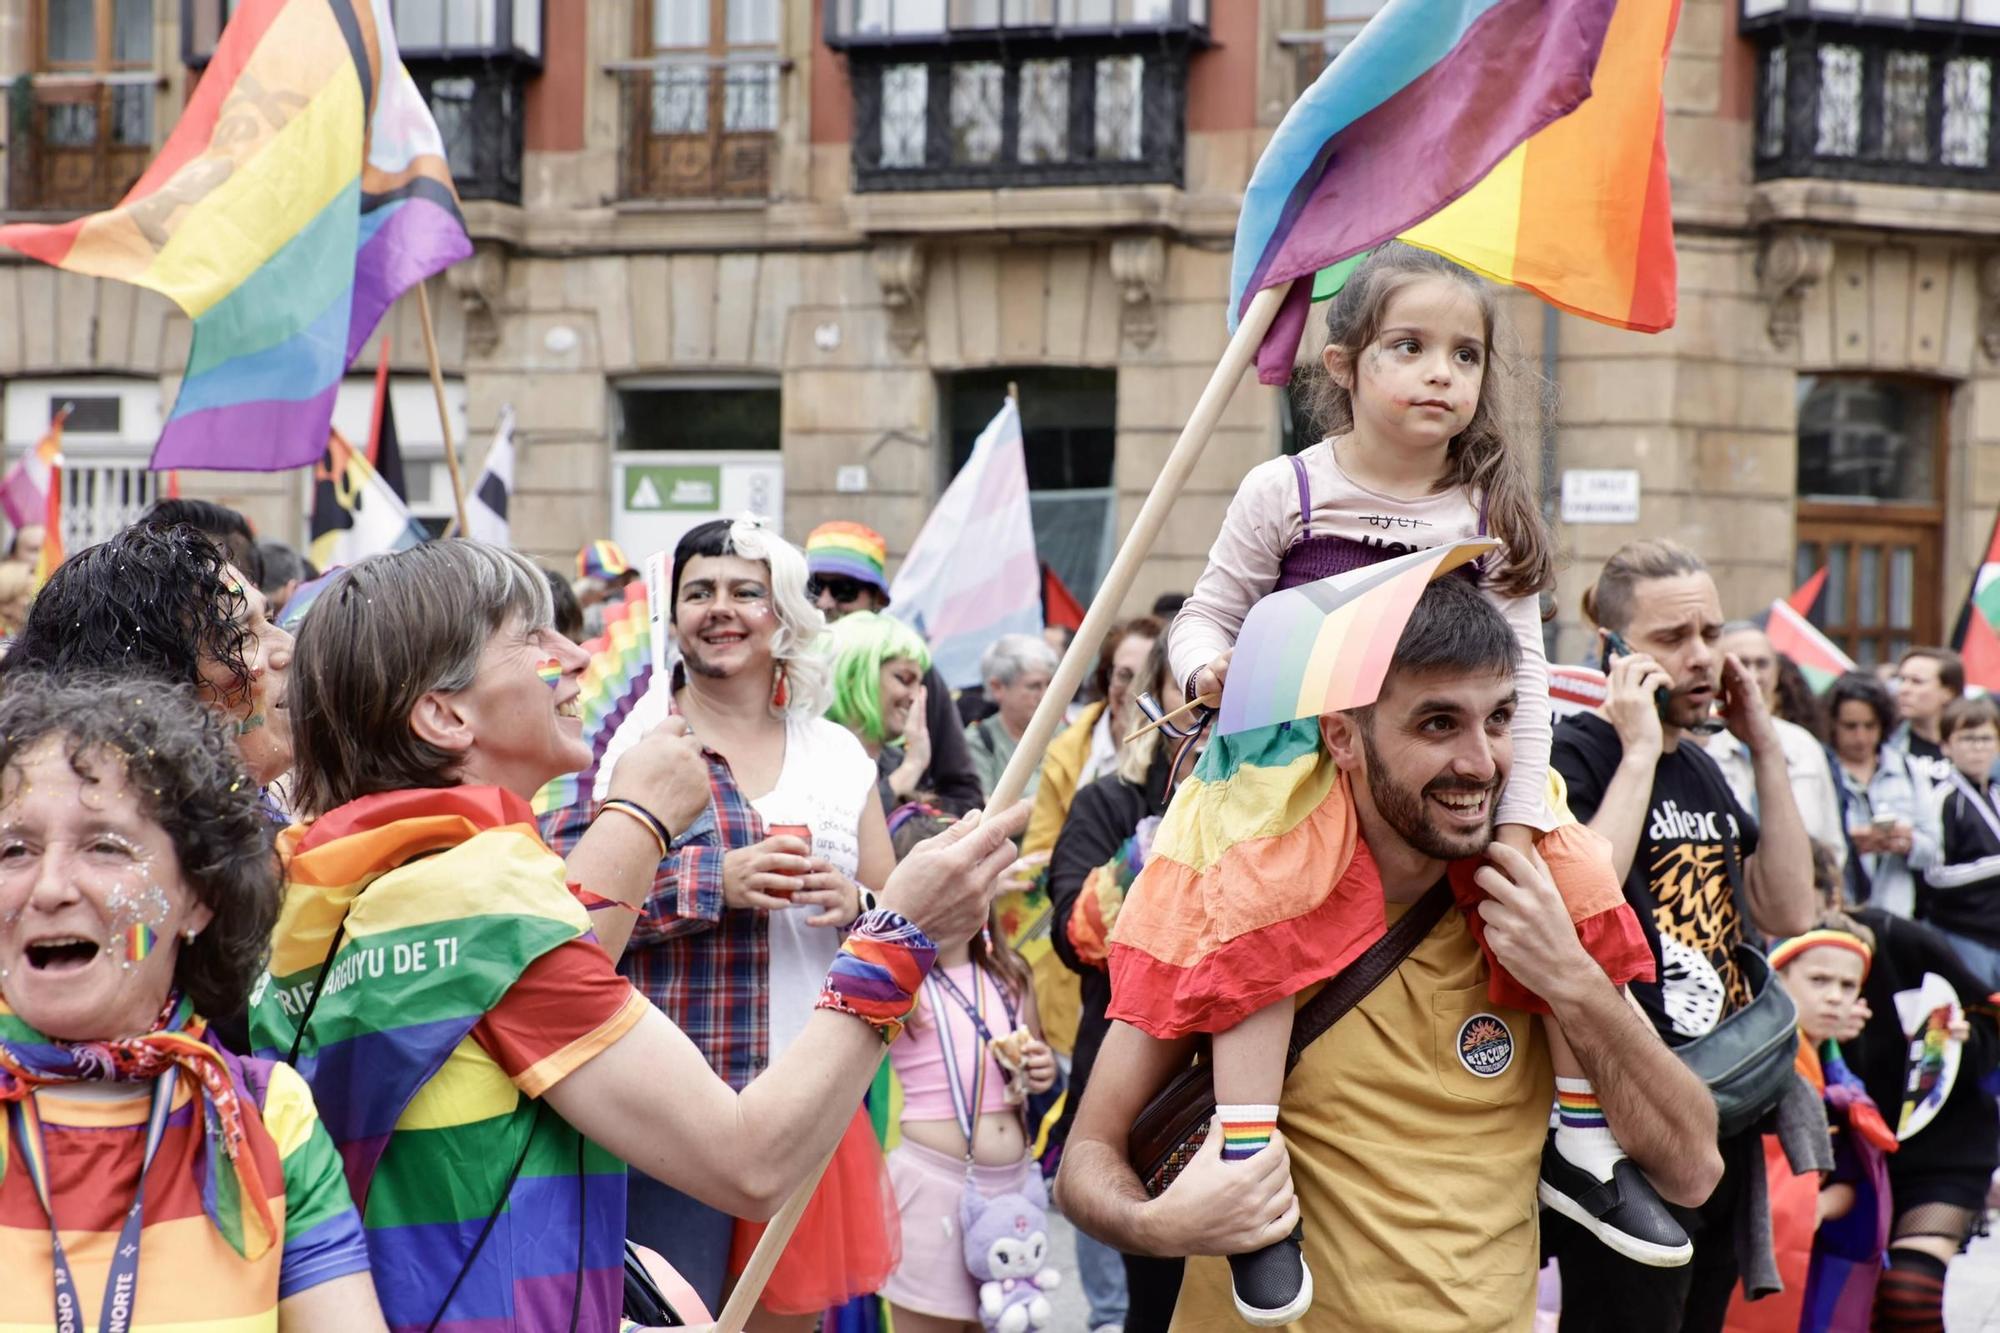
1615, 646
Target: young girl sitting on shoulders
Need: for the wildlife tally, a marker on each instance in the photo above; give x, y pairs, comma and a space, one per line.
1416, 457
970, 1055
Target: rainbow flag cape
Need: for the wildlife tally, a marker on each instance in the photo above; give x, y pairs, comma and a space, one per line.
619, 674
1797, 638
1419, 108
406, 917
303, 191
1324, 647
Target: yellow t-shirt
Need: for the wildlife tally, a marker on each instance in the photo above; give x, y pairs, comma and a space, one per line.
1416, 1126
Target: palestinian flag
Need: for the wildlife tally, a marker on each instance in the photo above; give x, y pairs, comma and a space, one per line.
1796, 637
1978, 636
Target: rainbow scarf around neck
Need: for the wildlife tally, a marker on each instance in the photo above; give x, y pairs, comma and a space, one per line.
411, 914
235, 1199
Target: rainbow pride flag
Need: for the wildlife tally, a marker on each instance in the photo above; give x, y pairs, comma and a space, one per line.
620, 671
406, 917
1324, 647
1418, 109
1581, 214
303, 191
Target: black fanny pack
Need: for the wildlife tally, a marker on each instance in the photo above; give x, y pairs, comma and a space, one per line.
1747, 1060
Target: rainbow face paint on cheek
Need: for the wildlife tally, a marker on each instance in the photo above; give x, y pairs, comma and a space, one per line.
140, 940
551, 672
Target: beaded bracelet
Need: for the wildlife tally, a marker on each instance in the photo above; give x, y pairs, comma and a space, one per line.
633, 810
876, 974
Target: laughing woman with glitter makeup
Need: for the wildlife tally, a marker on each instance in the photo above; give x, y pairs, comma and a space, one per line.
137, 891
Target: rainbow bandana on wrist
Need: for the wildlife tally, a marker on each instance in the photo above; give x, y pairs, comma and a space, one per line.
1789, 950
877, 972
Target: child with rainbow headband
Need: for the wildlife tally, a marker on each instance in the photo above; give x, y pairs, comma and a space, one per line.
1828, 1235
1416, 458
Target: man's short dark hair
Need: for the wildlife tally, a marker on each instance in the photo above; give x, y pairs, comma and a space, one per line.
1950, 666
282, 565
1610, 602
1168, 605
188, 777
221, 524
1456, 627
155, 600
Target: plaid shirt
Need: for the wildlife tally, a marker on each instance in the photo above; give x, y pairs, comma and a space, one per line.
706, 966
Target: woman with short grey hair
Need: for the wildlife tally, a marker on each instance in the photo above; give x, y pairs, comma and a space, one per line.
1016, 670
446, 983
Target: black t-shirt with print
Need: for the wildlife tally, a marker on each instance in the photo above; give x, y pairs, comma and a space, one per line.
1927, 759
1686, 881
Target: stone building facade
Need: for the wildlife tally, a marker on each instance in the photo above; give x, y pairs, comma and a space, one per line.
794, 250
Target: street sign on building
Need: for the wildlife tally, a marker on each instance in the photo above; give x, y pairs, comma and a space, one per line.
1600, 495
658, 496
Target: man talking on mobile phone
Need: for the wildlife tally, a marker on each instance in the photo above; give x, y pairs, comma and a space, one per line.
1700, 871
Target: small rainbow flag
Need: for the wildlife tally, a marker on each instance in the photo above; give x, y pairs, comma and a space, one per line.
620, 669
303, 191
1324, 647
550, 671
140, 939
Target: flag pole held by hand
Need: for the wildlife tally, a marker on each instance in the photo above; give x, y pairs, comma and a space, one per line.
1138, 543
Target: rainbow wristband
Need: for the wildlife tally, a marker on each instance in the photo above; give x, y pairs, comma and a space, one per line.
876, 975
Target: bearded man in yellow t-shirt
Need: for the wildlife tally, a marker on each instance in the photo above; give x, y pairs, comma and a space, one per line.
1415, 1125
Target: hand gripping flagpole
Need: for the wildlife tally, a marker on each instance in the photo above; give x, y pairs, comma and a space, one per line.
1082, 652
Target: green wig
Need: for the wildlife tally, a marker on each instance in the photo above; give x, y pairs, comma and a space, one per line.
863, 643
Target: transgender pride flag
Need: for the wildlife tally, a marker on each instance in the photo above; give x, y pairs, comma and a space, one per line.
971, 575
302, 192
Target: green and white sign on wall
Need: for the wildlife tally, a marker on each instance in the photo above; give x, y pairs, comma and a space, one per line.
676, 489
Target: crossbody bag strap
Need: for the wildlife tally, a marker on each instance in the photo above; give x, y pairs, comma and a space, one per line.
1365, 973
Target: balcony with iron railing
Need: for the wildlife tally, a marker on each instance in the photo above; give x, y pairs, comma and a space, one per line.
1895, 98
76, 143
697, 126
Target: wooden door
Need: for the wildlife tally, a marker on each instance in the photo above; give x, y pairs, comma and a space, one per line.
1882, 576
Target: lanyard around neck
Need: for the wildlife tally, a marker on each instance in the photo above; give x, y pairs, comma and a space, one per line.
965, 1110
121, 1282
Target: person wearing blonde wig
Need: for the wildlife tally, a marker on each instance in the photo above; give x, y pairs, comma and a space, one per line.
736, 936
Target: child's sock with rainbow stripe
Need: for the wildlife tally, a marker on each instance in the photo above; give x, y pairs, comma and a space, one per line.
1245, 1130
1582, 1136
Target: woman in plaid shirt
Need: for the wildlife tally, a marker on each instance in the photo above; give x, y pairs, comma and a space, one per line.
742, 922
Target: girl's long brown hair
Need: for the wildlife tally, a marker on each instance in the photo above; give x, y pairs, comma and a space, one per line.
989, 949
1480, 460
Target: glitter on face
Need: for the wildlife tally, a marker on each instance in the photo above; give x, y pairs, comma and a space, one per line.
551, 672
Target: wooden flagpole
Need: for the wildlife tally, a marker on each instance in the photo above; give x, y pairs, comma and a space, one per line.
458, 523
1082, 653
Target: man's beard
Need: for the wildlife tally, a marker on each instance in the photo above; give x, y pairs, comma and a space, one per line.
1405, 812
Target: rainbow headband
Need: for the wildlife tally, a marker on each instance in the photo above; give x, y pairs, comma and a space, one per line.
1822, 939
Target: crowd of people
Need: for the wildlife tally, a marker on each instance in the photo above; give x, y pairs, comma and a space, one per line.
309, 1019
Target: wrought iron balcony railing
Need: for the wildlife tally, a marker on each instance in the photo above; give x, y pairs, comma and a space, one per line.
76, 144
1899, 104
697, 126
1068, 112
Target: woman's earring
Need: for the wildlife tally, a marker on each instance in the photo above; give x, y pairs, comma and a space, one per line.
781, 690
189, 934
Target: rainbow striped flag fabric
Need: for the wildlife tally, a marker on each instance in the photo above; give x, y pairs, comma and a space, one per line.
1324, 647
303, 190
1422, 106
406, 918
620, 672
